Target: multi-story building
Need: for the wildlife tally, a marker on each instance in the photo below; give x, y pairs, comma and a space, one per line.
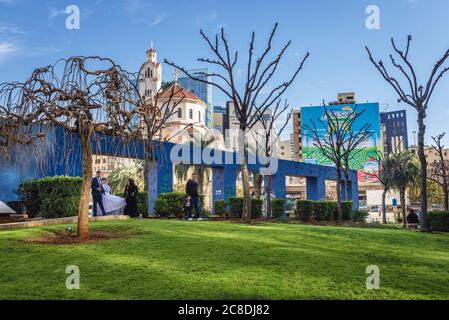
200, 89
218, 119
297, 135
284, 149
106, 164
232, 126
393, 126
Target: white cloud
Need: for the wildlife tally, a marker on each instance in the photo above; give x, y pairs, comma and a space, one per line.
6, 49
157, 20
8, 30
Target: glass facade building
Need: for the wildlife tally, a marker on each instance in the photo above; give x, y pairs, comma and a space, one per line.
200, 89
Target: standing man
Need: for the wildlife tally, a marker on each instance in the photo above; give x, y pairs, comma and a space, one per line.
192, 192
97, 194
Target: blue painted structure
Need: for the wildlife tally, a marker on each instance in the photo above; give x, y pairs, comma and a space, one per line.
225, 168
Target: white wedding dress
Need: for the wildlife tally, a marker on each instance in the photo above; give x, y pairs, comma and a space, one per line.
113, 205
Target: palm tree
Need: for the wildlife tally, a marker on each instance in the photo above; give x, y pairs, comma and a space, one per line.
203, 172
406, 172
118, 178
386, 169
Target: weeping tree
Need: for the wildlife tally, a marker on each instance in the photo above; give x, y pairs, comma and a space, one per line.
252, 96
332, 142
266, 141
86, 98
439, 169
416, 95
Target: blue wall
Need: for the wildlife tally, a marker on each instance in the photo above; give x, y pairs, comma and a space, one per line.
161, 174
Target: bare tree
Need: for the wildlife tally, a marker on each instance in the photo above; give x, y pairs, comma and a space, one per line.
331, 144
354, 139
155, 117
86, 97
417, 96
250, 99
439, 172
266, 141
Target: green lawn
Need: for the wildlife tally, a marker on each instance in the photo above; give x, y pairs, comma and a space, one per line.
222, 260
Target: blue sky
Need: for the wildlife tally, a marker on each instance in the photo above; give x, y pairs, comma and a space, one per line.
33, 33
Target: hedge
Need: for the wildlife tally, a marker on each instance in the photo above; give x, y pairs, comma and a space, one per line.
220, 208
51, 197
277, 208
172, 204
359, 216
304, 210
236, 207
439, 220
322, 210
142, 202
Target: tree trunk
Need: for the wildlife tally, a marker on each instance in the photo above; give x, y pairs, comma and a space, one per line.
246, 216
257, 181
201, 180
422, 159
145, 175
384, 207
83, 211
339, 205
446, 197
268, 196
347, 187
403, 208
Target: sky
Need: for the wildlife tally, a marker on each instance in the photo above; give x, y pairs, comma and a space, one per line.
33, 34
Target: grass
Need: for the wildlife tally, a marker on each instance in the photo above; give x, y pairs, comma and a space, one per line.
221, 260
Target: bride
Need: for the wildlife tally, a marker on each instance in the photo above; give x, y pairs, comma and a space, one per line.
113, 205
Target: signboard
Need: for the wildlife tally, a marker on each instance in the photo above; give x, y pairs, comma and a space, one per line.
364, 156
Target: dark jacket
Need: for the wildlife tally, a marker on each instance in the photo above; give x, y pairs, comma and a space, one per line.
192, 188
94, 185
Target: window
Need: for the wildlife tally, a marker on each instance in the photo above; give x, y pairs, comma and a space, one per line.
148, 72
179, 113
191, 114
199, 116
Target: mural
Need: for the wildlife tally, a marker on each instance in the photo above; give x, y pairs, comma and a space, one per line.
364, 157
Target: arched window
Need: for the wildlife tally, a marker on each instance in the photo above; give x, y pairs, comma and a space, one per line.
199, 116
191, 114
179, 113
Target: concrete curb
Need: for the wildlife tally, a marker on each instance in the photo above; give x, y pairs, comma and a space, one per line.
67, 220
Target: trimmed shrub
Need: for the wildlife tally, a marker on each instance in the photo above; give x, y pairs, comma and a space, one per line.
236, 207
142, 203
220, 208
51, 197
172, 204
320, 210
169, 204
347, 210
359, 215
439, 220
277, 208
304, 210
